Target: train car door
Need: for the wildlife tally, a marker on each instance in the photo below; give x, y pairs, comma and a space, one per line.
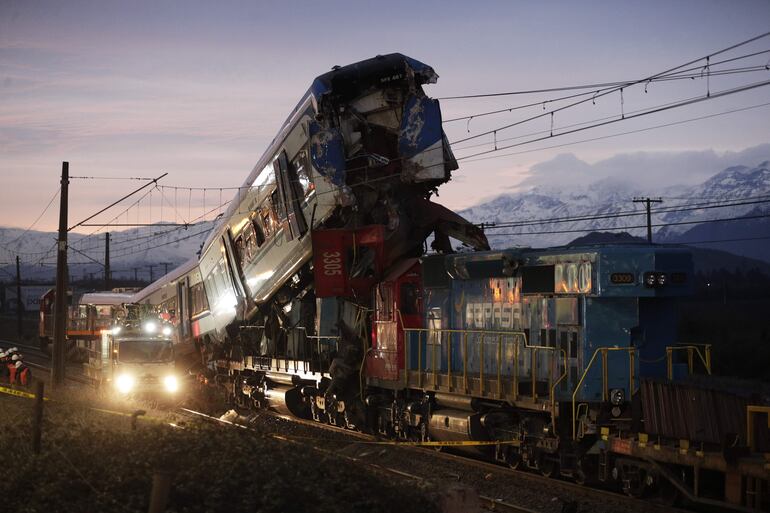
183, 309
289, 198
397, 305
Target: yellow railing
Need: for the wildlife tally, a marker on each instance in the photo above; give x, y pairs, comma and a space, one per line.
438, 339
603, 352
750, 412
703, 351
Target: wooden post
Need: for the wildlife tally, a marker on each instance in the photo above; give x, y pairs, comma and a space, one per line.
107, 272
37, 417
60, 305
161, 484
19, 302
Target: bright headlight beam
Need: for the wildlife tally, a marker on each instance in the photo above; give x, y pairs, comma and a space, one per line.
171, 383
124, 383
150, 327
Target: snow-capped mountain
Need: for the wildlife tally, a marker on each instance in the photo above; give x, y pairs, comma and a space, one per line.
162, 246
537, 217
532, 218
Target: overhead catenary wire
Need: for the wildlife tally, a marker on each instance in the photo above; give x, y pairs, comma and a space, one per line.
600, 85
748, 69
611, 90
653, 110
610, 136
626, 213
654, 225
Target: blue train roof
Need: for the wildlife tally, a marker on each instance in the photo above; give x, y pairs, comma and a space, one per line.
614, 270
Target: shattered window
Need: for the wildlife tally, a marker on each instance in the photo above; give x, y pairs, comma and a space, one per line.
306, 185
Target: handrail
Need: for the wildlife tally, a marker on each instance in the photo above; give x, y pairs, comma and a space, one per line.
445, 334
752, 410
692, 350
603, 351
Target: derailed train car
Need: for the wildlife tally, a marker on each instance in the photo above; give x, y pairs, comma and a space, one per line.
313, 296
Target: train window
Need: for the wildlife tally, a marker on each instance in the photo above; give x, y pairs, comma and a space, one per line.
249, 243
278, 208
267, 222
258, 233
409, 299
303, 174
239, 249
199, 303
537, 279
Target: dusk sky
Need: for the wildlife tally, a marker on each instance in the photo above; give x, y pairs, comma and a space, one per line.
198, 89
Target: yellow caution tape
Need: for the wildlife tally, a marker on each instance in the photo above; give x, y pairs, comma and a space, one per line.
452, 443
18, 393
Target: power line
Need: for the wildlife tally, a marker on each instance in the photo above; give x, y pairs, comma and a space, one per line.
597, 85
627, 213
611, 90
644, 113
622, 117
748, 69
619, 134
658, 225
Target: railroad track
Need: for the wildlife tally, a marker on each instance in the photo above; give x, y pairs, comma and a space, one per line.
487, 503
571, 489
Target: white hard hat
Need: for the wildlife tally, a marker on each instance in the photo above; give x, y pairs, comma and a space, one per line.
15, 357
13, 350
19, 364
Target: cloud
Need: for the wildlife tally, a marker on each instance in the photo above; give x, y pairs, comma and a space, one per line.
645, 170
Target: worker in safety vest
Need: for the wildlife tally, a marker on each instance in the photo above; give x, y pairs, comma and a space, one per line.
19, 370
7, 361
4, 360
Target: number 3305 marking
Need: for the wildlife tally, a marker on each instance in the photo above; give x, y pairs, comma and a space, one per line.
332, 263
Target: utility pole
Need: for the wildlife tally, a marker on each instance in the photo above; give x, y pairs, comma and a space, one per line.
647, 201
152, 277
60, 304
136, 275
19, 302
165, 267
107, 285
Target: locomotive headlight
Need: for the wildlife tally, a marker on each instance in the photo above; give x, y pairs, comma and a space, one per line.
124, 383
650, 279
150, 327
116, 330
171, 383
617, 395
167, 331
661, 279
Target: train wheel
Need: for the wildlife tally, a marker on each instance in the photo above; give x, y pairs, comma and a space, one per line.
547, 466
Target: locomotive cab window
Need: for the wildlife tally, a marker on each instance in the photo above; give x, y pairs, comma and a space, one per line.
409, 299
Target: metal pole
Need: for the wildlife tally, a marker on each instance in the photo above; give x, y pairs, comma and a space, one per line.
107, 285
19, 303
647, 202
60, 311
